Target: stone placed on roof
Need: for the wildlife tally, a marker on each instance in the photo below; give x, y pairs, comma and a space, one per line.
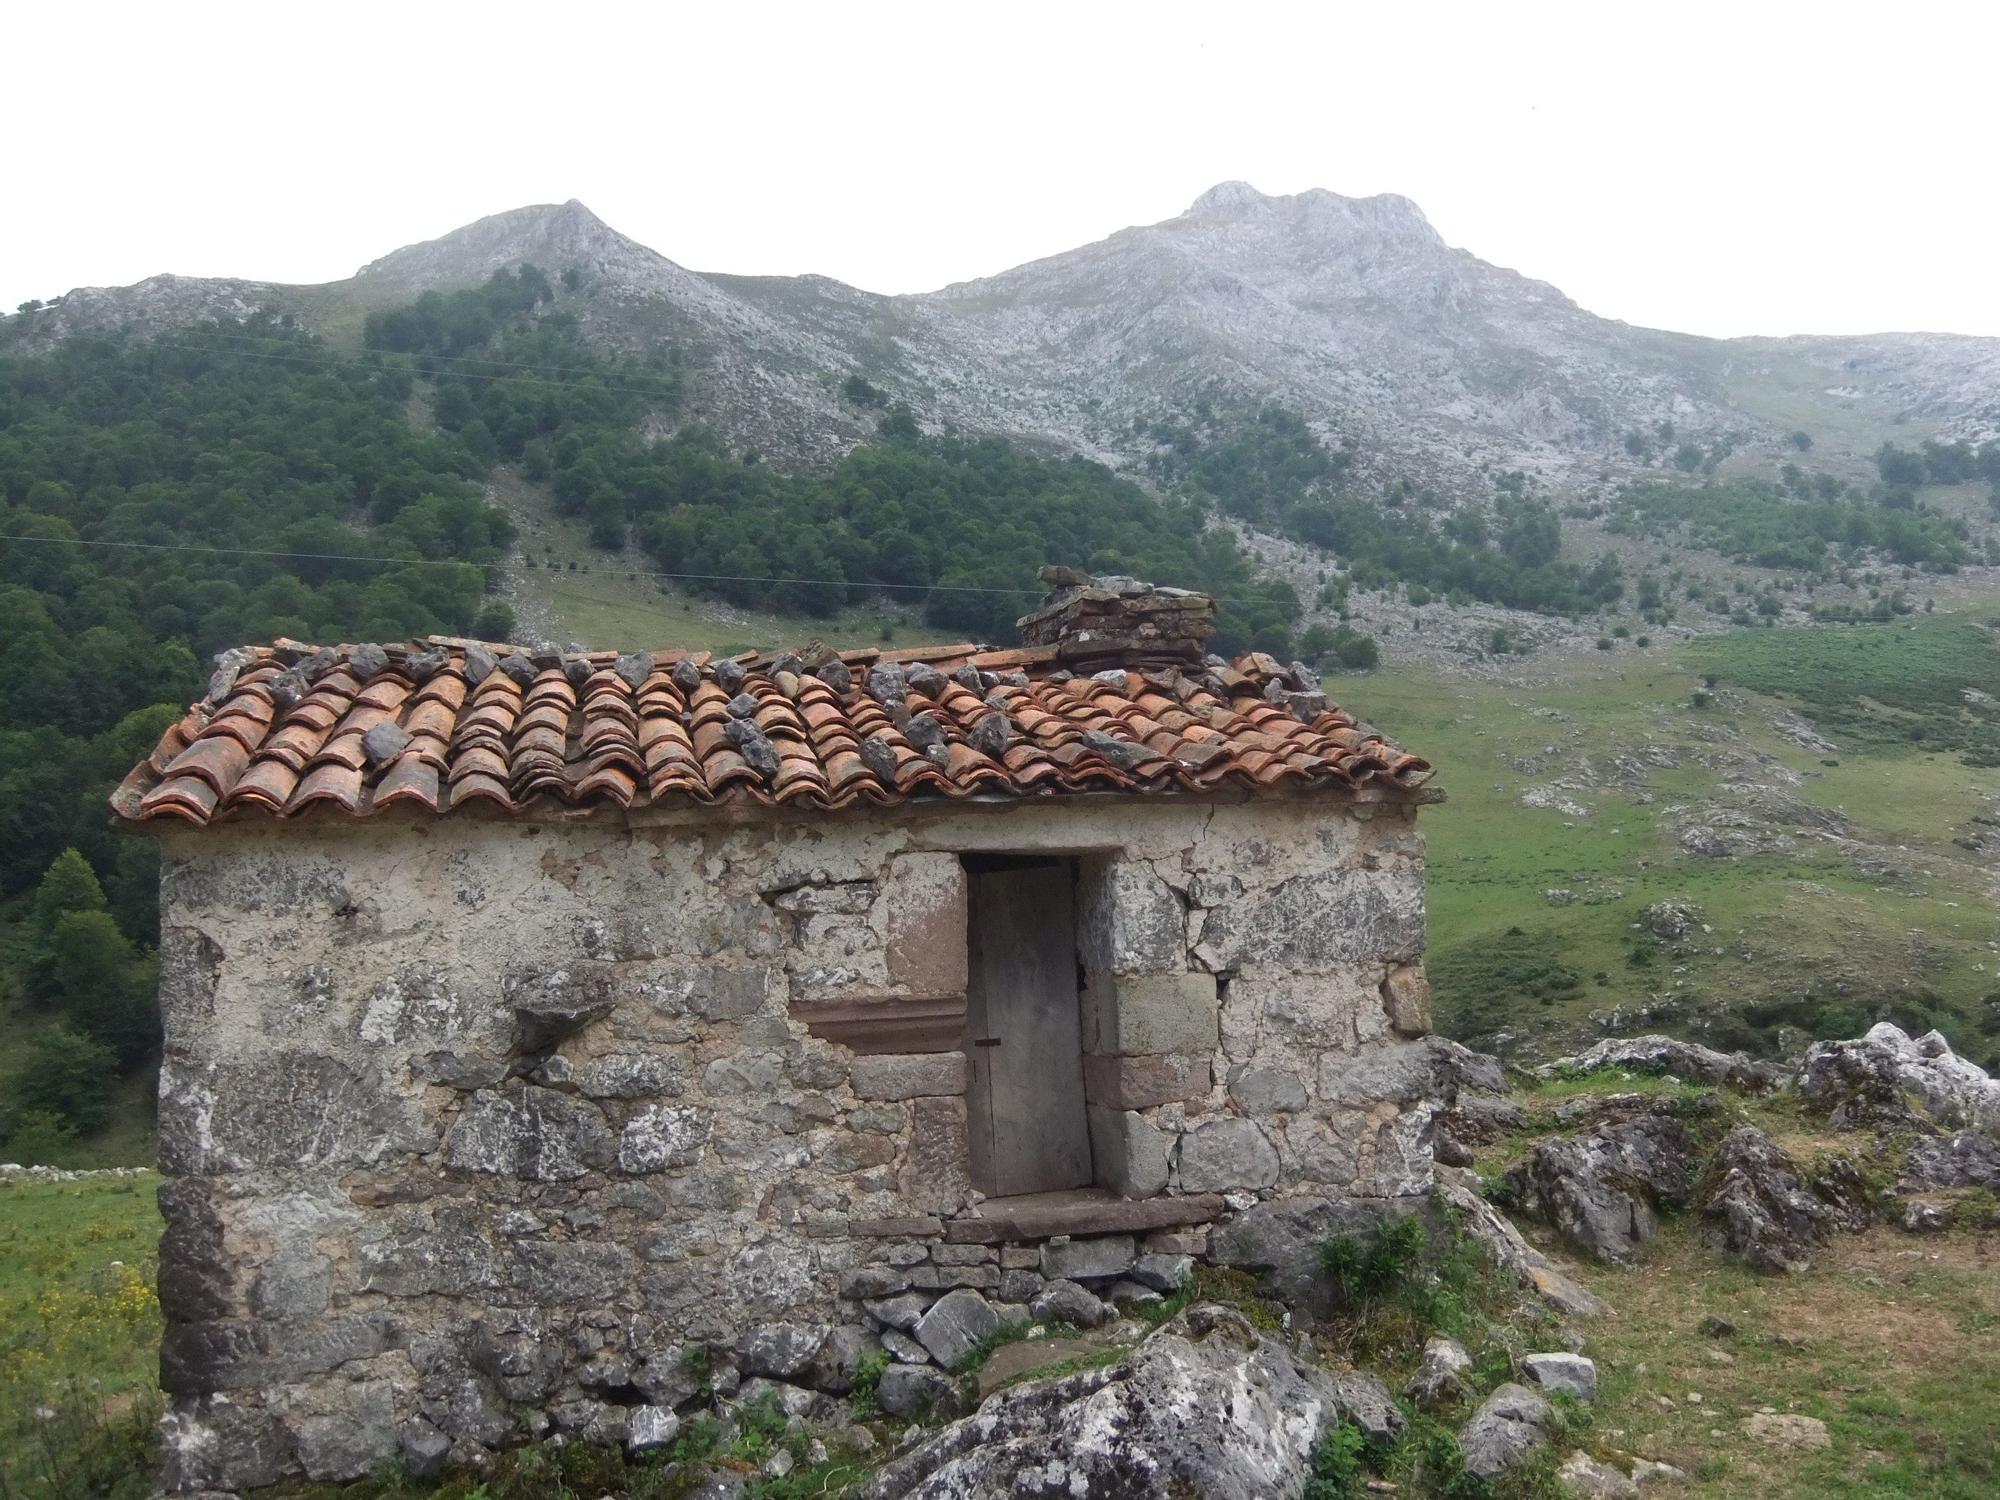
1125, 618
446, 725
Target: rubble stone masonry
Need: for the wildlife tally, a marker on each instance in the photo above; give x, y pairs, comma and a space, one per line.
478, 1129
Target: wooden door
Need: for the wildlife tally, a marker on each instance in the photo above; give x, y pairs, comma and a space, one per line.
1025, 1115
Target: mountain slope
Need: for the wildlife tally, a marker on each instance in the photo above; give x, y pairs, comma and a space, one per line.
1352, 311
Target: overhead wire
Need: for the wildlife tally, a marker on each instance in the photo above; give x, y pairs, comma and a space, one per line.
331, 360
516, 569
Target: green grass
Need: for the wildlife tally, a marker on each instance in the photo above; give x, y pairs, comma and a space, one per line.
1884, 1339
1810, 929
1869, 1341
1892, 685
79, 1337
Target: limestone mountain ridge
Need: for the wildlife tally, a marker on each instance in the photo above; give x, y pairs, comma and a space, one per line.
1439, 366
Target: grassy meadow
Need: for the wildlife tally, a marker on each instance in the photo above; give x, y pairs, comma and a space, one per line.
79, 1338
1895, 916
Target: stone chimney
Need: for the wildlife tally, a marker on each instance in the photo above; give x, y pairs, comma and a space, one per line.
1087, 618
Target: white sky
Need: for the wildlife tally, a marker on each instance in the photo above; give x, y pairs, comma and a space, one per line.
1751, 167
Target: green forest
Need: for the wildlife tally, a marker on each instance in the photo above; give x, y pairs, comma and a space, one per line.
1272, 470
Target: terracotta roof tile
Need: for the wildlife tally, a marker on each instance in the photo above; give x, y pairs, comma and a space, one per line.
582, 735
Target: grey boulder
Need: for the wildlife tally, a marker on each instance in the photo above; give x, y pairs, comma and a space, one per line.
918, 1392
1440, 1377
956, 1325
1066, 1302
1508, 1427
1205, 1408
1565, 1374
1602, 1191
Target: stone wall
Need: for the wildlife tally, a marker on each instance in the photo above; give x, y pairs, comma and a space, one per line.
475, 1129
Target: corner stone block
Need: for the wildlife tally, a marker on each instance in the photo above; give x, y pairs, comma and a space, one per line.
1130, 1152
925, 903
1406, 998
1130, 921
909, 1075
1142, 1082
1141, 1015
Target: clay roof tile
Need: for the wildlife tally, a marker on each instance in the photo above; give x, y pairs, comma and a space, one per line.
606, 743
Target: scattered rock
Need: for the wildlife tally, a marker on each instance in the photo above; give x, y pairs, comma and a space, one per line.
651, 1427
1066, 1302
955, 1325
781, 1351
1670, 921
384, 742
1920, 1217
1791, 1434
1570, 1374
918, 1393
1163, 1273
1587, 1479
904, 1349
1131, 1291
1509, 1426
1204, 1408
1440, 1378
367, 661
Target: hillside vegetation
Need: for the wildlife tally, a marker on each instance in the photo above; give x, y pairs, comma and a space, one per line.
166, 498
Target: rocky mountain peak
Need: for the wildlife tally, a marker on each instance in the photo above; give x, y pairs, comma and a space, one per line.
551, 235
1314, 214
1226, 200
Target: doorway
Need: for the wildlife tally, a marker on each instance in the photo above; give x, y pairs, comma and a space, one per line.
1024, 1106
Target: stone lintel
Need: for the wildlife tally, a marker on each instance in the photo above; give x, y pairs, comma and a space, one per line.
887, 1023
1041, 1215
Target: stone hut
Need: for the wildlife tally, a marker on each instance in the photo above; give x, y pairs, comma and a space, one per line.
554, 1039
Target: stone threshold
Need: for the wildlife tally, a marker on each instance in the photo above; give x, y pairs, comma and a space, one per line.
1038, 1216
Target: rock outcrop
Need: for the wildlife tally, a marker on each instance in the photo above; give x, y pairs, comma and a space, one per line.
1506, 1430
1760, 1207
1602, 1191
1205, 1408
1534, 1270
1873, 1079
1664, 1054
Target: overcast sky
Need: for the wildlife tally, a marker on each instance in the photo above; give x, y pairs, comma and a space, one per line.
1741, 168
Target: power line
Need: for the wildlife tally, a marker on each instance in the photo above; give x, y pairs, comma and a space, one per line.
330, 362
514, 569
517, 570
419, 356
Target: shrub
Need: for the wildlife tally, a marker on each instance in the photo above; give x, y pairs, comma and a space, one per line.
1379, 1268
1338, 1465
